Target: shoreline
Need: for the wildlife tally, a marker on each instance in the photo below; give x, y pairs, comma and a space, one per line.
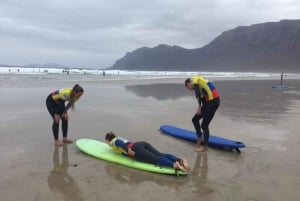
43, 79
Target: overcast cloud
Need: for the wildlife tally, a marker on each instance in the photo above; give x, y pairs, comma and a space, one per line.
96, 33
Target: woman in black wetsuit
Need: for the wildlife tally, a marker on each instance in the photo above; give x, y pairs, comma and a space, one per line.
55, 103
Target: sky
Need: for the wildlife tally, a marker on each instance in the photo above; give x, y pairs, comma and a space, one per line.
96, 33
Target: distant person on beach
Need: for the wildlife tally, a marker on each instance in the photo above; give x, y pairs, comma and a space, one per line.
208, 103
56, 106
281, 79
143, 151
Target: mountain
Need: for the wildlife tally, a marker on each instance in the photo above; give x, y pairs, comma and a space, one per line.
265, 47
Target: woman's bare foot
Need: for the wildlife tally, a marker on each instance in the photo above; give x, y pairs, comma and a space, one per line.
68, 141
201, 149
185, 164
177, 166
58, 143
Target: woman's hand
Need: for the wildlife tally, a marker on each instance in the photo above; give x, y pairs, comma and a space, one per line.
130, 152
56, 118
65, 116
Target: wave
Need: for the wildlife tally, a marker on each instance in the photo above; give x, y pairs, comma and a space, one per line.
132, 74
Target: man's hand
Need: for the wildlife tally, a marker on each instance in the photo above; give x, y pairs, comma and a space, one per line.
198, 110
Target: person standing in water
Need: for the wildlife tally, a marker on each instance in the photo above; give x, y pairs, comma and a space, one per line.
281, 79
208, 103
55, 103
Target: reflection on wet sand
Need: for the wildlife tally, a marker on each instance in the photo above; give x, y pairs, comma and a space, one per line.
162, 91
203, 186
198, 176
59, 180
135, 177
254, 98
200, 168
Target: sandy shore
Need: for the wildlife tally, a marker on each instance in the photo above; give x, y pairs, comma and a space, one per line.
266, 120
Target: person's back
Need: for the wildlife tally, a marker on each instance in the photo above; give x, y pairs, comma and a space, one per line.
209, 91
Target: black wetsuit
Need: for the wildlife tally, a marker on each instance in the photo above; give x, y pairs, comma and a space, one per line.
208, 110
57, 107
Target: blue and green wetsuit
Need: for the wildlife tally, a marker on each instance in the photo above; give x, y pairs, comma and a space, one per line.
144, 152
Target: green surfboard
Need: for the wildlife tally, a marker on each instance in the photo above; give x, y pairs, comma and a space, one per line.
102, 151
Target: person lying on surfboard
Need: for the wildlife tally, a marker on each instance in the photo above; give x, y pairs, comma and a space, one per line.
145, 152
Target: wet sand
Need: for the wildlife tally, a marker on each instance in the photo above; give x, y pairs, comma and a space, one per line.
266, 120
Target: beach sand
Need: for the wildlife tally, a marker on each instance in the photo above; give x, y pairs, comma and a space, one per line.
266, 120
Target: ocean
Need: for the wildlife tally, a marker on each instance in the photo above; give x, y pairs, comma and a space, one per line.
14, 73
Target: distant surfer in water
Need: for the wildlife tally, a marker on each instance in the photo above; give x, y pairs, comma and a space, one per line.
143, 151
56, 106
208, 103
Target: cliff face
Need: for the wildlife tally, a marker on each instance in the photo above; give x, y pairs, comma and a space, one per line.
272, 47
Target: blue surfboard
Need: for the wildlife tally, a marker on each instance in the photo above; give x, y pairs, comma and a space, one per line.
280, 87
191, 136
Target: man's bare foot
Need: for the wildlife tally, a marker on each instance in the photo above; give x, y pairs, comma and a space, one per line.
201, 149
199, 142
185, 164
58, 143
68, 141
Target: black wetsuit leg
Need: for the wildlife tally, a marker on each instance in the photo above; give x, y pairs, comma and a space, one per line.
208, 111
196, 122
53, 108
145, 152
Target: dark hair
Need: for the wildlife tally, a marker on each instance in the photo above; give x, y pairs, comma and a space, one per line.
187, 81
110, 136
